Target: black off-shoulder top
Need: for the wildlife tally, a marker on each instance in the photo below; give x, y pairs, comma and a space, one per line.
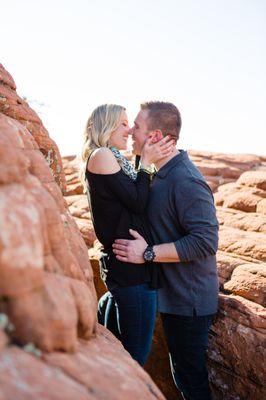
118, 203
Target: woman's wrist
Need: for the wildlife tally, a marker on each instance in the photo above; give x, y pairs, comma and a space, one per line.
144, 162
149, 169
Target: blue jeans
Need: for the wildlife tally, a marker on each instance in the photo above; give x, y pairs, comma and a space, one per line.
187, 339
130, 313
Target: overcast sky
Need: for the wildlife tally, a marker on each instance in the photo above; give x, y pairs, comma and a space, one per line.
206, 56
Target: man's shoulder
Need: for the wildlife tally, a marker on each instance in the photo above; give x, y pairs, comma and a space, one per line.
187, 178
187, 171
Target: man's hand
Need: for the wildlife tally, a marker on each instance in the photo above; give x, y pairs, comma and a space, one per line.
130, 250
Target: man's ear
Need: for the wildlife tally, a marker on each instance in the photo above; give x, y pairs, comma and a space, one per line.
156, 135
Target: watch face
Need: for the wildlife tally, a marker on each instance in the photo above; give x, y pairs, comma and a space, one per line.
149, 255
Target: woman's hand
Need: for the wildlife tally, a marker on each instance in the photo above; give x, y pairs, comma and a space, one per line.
153, 152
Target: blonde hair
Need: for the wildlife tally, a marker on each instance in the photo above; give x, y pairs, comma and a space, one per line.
103, 121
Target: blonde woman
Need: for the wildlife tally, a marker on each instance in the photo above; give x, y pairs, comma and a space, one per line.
118, 197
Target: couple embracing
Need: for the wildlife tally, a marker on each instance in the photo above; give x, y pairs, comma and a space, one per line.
159, 233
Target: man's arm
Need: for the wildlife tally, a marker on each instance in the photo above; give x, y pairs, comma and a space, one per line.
132, 250
196, 213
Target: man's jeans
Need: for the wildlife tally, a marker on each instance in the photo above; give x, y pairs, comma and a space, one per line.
130, 314
187, 339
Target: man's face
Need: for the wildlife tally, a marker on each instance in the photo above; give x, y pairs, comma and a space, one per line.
140, 132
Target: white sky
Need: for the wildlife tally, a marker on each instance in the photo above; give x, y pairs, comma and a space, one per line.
206, 56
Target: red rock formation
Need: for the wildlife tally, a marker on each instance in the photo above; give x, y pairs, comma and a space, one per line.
219, 168
237, 347
100, 368
51, 346
17, 108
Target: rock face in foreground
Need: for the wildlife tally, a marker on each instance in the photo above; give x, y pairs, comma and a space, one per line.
51, 346
237, 345
99, 369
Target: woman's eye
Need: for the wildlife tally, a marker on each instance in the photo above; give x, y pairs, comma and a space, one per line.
124, 124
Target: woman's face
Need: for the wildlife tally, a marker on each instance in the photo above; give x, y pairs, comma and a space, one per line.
119, 137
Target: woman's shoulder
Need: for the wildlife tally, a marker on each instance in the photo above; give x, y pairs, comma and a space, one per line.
103, 162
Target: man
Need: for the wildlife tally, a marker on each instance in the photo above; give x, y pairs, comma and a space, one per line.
183, 221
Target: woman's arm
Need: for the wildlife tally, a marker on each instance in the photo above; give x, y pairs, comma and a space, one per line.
133, 194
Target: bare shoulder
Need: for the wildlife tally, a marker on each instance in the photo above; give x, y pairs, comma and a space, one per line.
102, 161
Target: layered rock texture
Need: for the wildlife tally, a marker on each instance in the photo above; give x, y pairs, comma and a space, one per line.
237, 345
51, 346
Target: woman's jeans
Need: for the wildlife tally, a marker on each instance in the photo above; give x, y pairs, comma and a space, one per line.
130, 313
187, 339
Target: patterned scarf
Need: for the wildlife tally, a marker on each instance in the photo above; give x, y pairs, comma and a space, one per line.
124, 163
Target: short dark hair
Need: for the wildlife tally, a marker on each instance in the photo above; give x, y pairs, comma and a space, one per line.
163, 116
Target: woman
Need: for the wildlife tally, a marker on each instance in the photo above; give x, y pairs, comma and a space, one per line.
118, 196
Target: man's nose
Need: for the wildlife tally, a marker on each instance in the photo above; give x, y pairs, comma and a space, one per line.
130, 132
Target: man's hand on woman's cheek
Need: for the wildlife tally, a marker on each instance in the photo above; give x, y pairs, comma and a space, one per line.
130, 250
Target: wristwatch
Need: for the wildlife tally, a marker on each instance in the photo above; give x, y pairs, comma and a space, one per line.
149, 254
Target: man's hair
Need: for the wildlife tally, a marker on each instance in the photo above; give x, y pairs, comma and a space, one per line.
163, 116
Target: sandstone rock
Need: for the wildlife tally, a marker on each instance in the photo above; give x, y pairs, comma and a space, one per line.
243, 161
3, 340
253, 178
72, 167
115, 380
37, 234
249, 245
219, 198
6, 78
237, 349
18, 109
87, 230
242, 201
19, 210
249, 281
75, 188
94, 255
78, 205
261, 207
230, 187
226, 265
72, 178
227, 192
254, 222
218, 169
84, 298
25, 377
73, 199
234, 187
49, 317
79, 249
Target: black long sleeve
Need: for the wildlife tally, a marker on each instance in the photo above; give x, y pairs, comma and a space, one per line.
132, 194
118, 204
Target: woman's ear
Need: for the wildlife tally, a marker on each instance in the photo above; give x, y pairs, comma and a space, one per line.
156, 135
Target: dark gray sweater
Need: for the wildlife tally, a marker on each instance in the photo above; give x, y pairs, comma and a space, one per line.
181, 210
